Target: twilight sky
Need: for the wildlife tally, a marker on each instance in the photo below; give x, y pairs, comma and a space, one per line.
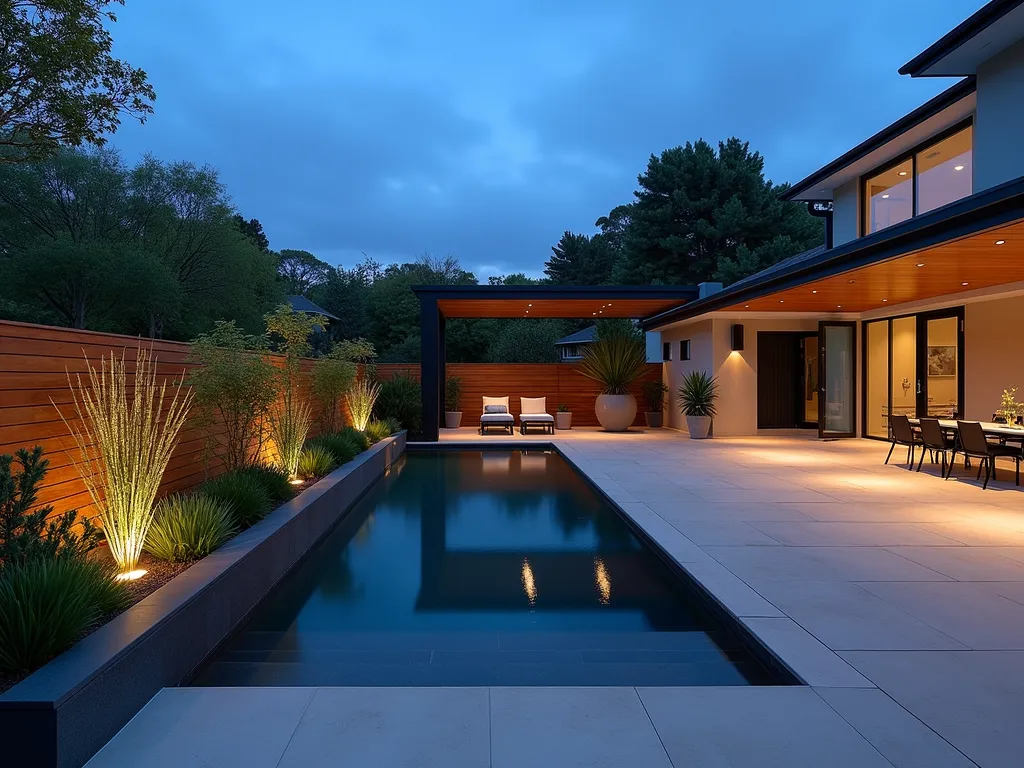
486, 129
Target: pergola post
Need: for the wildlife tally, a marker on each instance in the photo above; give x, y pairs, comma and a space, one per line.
431, 366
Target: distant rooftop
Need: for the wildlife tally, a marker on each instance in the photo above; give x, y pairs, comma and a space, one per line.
585, 336
302, 304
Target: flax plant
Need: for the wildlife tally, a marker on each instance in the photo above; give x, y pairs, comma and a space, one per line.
125, 445
361, 400
289, 425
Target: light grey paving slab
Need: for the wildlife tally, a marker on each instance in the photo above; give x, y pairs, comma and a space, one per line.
902, 739
840, 534
974, 614
762, 727
881, 512
814, 663
568, 727
730, 590
973, 699
844, 616
202, 727
392, 727
758, 564
707, 510
723, 533
741, 495
964, 563
978, 532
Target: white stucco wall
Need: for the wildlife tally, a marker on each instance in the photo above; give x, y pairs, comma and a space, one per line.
845, 213
993, 354
999, 122
701, 358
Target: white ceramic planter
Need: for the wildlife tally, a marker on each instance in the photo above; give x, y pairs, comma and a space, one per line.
563, 420
698, 426
452, 419
616, 412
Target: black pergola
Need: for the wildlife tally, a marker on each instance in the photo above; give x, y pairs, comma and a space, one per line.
440, 302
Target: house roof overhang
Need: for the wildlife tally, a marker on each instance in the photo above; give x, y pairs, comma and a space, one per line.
993, 28
946, 251
950, 107
564, 301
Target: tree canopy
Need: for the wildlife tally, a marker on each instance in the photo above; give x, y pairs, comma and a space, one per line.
59, 83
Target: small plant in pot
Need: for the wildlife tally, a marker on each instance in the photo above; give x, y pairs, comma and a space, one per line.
563, 417
654, 396
698, 392
452, 396
615, 362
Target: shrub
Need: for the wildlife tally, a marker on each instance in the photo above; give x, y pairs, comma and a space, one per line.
393, 426
46, 604
654, 395
332, 377
698, 392
187, 528
361, 401
27, 535
243, 493
377, 431
125, 434
340, 447
274, 481
314, 462
399, 399
357, 438
235, 384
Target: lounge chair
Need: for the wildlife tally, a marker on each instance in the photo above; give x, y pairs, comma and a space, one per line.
496, 416
533, 413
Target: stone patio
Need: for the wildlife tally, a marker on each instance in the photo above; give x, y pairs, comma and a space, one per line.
896, 596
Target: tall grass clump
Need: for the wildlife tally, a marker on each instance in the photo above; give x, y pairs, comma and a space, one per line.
340, 446
187, 528
332, 377
315, 461
361, 400
125, 434
378, 430
289, 425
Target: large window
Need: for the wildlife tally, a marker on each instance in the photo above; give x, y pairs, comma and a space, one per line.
930, 177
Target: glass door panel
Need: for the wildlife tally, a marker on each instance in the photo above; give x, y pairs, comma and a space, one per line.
810, 380
876, 378
904, 366
941, 375
837, 393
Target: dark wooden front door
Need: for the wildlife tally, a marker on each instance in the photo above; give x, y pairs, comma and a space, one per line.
779, 380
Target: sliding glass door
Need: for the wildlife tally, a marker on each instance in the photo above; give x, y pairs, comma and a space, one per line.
913, 366
837, 379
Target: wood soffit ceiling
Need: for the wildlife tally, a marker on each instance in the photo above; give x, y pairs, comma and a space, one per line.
566, 308
968, 264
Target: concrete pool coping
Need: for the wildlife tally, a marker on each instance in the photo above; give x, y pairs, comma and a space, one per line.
62, 713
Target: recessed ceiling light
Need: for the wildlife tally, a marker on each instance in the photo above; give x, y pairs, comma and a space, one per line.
958, 167
1000, 242
885, 197
852, 282
963, 283
781, 301
839, 306
920, 265
746, 306
813, 291
529, 305
903, 173
593, 313
884, 299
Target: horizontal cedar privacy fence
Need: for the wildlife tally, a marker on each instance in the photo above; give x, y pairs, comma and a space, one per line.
34, 365
558, 382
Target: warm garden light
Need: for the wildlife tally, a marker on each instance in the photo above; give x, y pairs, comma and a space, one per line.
138, 573
361, 401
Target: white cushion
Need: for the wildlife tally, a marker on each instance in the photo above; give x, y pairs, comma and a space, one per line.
496, 418
536, 417
495, 401
533, 404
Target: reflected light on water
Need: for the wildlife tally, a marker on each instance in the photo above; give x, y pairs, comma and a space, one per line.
603, 581
528, 586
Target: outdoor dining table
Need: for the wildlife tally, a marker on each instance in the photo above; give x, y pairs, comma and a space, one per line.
1002, 431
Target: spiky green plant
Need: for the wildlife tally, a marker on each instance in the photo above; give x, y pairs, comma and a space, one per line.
274, 480
698, 392
289, 426
125, 434
378, 430
360, 400
315, 461
46, 604
245, 494
340, 446
187, 528
614, 362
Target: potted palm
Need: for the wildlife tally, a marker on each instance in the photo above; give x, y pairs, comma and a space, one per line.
452, 396
698, 392
615, 362
654, 396
563, 417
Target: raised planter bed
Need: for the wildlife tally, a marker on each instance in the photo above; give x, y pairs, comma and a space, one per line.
61, 715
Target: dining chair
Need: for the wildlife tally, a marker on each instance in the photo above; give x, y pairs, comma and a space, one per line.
936, 441
902, 434
974, 443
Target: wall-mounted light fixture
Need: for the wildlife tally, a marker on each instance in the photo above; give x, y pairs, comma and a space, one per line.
737, 337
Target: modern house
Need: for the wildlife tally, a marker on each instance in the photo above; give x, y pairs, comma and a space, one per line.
915, 304
570, 348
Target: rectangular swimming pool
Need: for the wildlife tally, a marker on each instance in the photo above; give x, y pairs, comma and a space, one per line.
493, 567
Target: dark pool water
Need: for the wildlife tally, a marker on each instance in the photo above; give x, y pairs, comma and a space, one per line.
483, 568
